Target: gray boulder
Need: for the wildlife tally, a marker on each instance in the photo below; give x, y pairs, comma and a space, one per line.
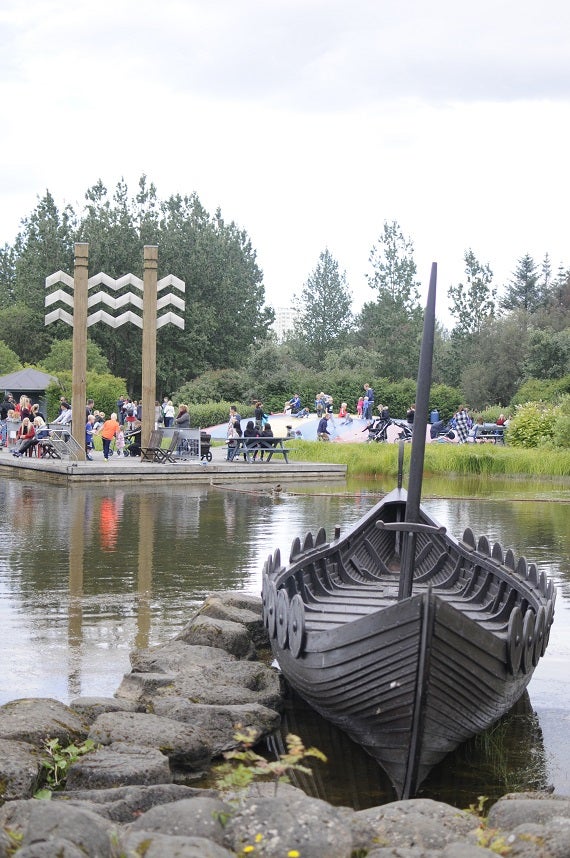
193, 817
173, 656
56, 848
20, 770
151, 844
180, 742
140, 688
119, 765
90, 708
513, 810
245, 610
43, 824
35, 719
126, 803
226, 682
232, 637
290, 820
419, 822
217, 724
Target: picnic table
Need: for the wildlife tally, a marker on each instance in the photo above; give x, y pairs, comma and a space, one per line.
267, 446
490, 432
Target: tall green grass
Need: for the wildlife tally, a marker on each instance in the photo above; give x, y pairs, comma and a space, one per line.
492, 459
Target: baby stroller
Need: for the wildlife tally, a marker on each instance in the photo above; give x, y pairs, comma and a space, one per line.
378, 430
133, 442
404, 430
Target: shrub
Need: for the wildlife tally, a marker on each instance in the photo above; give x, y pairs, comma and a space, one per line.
212, 413
532, 425
224, 385
103, 389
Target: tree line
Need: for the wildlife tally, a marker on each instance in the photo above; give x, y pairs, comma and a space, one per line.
228, 350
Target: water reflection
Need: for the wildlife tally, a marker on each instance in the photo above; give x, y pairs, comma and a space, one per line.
88, 573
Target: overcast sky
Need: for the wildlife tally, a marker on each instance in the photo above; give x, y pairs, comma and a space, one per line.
308, 122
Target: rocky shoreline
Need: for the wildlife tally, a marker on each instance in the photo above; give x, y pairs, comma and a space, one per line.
172, 715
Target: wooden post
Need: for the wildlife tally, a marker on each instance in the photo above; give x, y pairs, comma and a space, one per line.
79, 371
149, 341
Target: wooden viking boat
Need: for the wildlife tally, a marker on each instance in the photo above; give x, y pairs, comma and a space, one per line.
407, 639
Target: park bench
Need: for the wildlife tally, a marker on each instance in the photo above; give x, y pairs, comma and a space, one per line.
267, 447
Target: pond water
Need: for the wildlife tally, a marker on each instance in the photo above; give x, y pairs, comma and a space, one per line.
89, 573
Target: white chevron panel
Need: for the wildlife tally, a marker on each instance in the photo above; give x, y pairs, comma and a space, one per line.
59, 295
171, 280
58, 315
177, 302
59, 277
105, 280
115, 303
114, 321
171, 318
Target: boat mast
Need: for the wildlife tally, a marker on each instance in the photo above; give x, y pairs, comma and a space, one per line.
418, 440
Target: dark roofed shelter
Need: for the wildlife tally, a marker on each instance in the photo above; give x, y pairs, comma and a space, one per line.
30, 382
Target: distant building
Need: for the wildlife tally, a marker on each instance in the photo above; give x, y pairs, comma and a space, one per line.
284, 320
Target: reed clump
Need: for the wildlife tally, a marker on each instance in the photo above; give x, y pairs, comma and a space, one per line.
464, 459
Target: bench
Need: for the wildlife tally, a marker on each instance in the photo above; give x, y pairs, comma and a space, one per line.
490, 432
270, 446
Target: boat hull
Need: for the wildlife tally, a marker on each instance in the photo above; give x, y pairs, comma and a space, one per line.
407, 679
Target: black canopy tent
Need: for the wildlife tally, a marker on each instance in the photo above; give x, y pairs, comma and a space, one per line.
29, 382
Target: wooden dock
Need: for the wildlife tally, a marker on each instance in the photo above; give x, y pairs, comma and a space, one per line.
131, 469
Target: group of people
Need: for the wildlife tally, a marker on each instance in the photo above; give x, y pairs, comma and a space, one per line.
324, 404
462, 429
32, 425
257, 430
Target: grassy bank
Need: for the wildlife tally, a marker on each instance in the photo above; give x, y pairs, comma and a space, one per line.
492, 459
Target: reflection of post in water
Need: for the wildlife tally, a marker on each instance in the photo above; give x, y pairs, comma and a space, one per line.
75, 620
230, 516
146, 541
109, 523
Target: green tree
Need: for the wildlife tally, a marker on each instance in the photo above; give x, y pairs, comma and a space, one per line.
548, 354
225, 310
525, 290
9, 361
60, 357
43, 246
391, 326
21, 331
323, 310
495, 368
7, 275
557, 311
394, 269
472, 302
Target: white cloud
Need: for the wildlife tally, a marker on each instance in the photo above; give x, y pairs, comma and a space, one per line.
308, 122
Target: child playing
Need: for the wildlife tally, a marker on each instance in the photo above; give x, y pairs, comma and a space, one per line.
359, 407
120, 443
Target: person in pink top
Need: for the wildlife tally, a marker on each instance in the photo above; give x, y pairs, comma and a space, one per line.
108, 431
